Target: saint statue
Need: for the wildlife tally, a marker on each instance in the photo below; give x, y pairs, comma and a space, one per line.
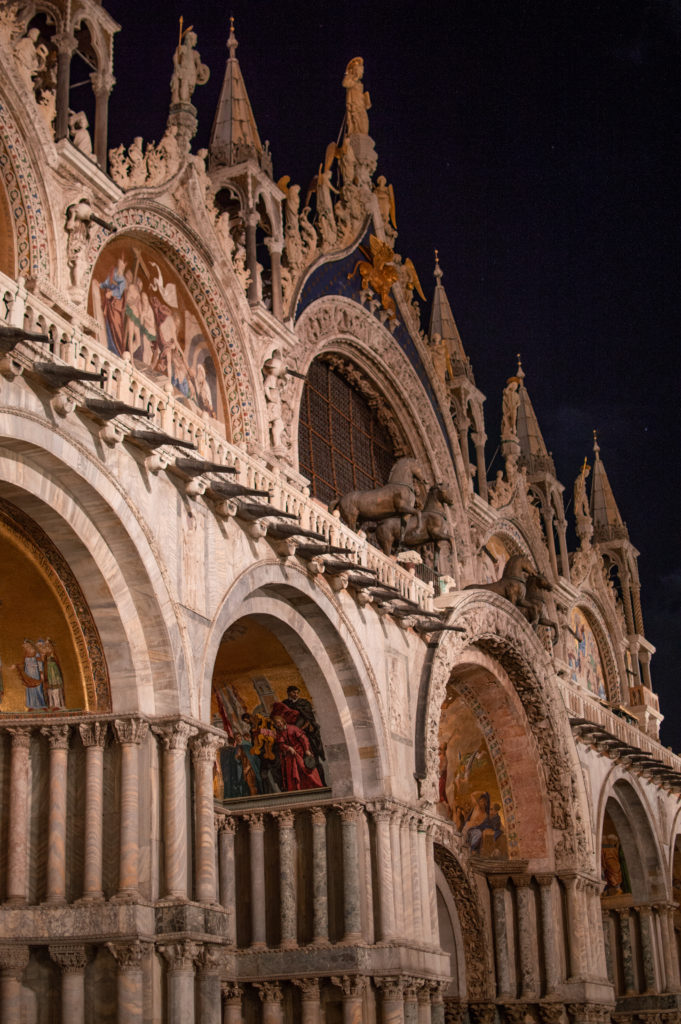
509, 408
188, 71
357, 101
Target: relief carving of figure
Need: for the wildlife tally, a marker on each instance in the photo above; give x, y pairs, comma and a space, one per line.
168, 147
509, 408
294, 245
357, 101
188, 71
274, 372
80, 136
30, 59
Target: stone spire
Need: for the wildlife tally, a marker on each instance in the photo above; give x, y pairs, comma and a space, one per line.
234, 136
535, 454
607, 521
442, 322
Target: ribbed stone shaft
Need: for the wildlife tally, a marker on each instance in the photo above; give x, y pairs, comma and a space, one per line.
93, 736
58, 739
17, 834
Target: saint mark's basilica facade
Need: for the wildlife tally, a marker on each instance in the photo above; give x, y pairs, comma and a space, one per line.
306, 716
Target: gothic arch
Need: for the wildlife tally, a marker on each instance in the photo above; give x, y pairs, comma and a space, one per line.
330, 659
161, 229
496, 630
477, 952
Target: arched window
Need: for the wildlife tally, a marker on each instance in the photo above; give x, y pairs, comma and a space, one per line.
343, 445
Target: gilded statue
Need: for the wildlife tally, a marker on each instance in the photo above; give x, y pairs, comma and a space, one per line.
188, 71
357, 101
378, 272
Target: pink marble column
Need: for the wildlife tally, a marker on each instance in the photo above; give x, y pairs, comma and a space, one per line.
211, 962
352, 911
272, 999
204, 748
287, 879
432, 888
576, 924
398, 889
226, 871
180, 957
256, 838
320, 898
352, 986
392, 1001
408, 922
130, 732
13, 963
422, 861
93, 736
130, 986
310, 1000
384, 868
174, 736
231, 1002
72, 961
17, 833
58, 739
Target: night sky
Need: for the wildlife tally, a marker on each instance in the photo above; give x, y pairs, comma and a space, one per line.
536, 146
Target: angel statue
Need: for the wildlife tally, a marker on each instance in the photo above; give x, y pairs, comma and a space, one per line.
357, 101
378, 272
386, 202
321, 184
188, 71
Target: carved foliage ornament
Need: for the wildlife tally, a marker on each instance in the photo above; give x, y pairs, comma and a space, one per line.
471, 919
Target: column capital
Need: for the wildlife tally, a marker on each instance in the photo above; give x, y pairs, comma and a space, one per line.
174, 735
284, 818
392, 986
226, 824
545, 880
65, 43
522, 881
128, 955
309, 988
256, 822
624, 913
102, 82
318, 815
514, 1013
482, 1013
590, 1013
204, 747
180, 956
21, 736
13, 959
551, 1013
211, 958
379, 812
454, 1011
274, 244
269, 991
130, 731
411, 989
351, 985
71, 959
57, 736
497, 881
93, 734
349, 811
231, 991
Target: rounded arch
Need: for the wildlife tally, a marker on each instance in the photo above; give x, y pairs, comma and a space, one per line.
592, 612
110, 551
331, 661
477, 951
493, 628
624, 801
187, 254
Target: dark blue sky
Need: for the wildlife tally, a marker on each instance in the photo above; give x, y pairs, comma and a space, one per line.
536, 145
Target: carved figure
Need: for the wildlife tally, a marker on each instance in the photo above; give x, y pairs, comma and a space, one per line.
357, 101
347, 162
386, 202
325, 215
119, 165
224, 233
188, 71
513, 582
380, 274
425, 526
509, 408
30, 59
78, 129
168, 147
294, 245
307, 234
137, 173
274, 372
396, 498
240, 269
583, 522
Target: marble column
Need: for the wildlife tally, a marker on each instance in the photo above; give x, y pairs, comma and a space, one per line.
561, 527
411, 1001
352, 986
384, 869
288, 902
211, 962
227, 872
527, 937
668, 945
498, 885
595, 939
174, 737
320, 897
130, 984
231, 1002
392, 999
93, 736
417, 902
423, 851
437, 1002
423, 998
204, 748
310, 1000
398, 889
72, 961
552, 965
272, 999
624, 915
180, 957
645, 917
58, 739
13, 963
607, 946
576, 924
547, 516
256, 837
65, 44
17, 831
352, 917
254, 287
275, 248
479, 444
130, 732
102, 84
404, 861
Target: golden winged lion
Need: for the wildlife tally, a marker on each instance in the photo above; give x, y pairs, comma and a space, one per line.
378, 272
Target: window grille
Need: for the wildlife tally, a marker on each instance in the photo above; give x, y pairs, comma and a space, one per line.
342, 444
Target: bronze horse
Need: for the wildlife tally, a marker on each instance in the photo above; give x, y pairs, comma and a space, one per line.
427, 525
513, 582
396, 498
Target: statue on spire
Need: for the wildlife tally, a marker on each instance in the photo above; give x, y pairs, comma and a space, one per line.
188, 71
357, 101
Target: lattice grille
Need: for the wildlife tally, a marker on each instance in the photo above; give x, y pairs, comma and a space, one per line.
342, 444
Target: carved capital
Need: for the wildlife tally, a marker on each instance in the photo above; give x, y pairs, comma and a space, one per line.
285, 818
174, 735
351, 985
180, 956
551, 1013
318, 816
497, 881
515, 1013
391, 987
482, 1013
269, 991
256, 822
226, 824
204, 747
522, 881
231, 992
57, 736
21, 737
93, 734
454, 1011
349, 812
545, 881
211, 958
130, 731
309, 989
13, 960
128, 955
71, 959
381, 813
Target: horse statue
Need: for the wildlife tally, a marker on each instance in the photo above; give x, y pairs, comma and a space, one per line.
532, 605
427, 525
513, 582
396, 498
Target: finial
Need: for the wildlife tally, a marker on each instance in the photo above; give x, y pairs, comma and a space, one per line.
596, 445
231, 42
520, 367
437, 273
